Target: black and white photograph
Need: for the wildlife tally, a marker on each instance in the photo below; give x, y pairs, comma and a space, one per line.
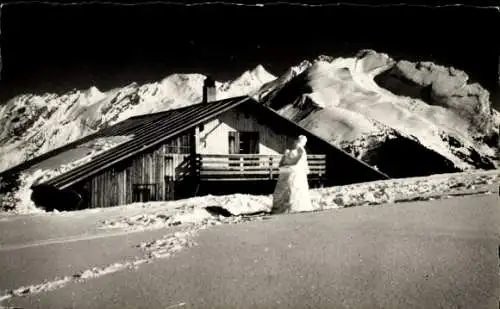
265, 155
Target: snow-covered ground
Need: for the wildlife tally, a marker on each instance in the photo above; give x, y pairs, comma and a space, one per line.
185, 218
160, 248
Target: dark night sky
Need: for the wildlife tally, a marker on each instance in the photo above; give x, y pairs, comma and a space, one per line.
57, 48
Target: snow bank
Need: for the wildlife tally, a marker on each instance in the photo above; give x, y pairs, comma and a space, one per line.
169, 244
193, 211
241, 207
398, 190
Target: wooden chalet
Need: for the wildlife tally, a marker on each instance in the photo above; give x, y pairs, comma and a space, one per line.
214, 147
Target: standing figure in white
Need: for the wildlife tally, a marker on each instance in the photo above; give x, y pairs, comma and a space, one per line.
292, 189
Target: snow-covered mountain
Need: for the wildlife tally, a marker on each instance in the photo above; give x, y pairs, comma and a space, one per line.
381, 110
34, 124
370, 101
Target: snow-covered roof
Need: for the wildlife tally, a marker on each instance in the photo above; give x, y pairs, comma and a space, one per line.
148, 131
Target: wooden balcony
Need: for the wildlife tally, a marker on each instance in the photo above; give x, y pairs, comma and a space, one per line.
250, 167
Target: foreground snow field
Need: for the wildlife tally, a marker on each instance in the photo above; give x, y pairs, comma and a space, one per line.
184, 218
409, 255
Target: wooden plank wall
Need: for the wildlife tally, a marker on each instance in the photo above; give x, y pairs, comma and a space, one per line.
115, 186
214, 137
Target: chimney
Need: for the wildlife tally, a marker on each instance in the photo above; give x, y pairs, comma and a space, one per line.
208, 90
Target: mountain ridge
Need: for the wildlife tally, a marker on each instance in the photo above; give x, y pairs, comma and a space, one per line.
350, 102
37, 123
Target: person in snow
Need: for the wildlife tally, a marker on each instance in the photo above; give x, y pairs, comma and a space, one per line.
292, 189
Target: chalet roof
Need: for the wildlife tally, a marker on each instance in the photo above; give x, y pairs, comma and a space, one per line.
126, 127
151, 130
148, 132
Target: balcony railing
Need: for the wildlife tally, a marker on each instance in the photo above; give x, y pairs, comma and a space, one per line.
244, 167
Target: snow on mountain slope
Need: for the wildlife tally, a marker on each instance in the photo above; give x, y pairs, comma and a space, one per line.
35, 124
340, 100
361, 103
268, 89
250, 81
333, 124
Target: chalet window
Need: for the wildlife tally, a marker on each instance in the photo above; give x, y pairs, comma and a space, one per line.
202, 127
244, 143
